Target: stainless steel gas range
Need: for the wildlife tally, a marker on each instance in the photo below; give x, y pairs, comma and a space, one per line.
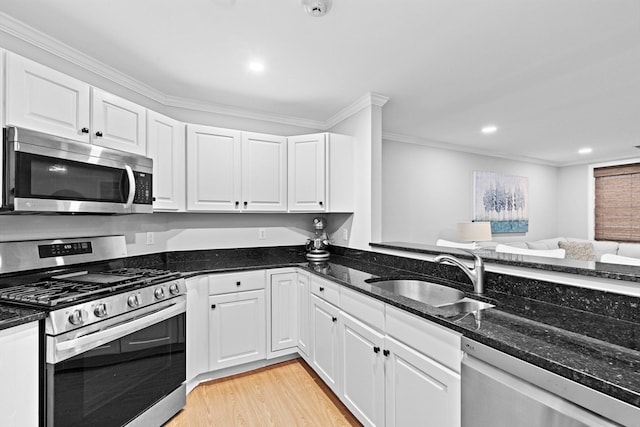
114, 336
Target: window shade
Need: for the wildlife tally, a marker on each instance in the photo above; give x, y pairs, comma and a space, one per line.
617, 204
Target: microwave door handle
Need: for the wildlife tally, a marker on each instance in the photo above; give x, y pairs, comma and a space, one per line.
132, 186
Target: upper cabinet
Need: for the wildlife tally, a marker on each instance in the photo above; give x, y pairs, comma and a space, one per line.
46, 100
165, 145
117, 123
235, 171
320, 173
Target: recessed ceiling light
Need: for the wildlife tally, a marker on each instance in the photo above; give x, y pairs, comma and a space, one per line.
585, 150
256, 66
489, 129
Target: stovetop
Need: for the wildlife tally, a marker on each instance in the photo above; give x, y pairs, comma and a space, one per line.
59, 291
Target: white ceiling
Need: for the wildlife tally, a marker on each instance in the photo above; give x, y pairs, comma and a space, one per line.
553, 75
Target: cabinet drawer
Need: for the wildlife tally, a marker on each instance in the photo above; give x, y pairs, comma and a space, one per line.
236, 282
430, 339
328, 291
365, 308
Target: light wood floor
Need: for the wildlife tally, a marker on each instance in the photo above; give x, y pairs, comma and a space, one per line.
282, 395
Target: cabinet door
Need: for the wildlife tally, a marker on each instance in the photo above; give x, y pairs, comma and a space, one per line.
418, 389
165, 145
362, 376
237, 331
284, 313
304, 322
213, 169
117, 123
325, 341
19, 369
197, 326
45, 100
307, 171
264, 172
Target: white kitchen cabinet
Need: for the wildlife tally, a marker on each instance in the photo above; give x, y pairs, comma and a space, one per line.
19, 372
117, 123
264, 172
165, 145
362, 370
325, 341
284, 311
46, 100
197, 327
419, 391
237, 328
321, 173
232, 171
304, 322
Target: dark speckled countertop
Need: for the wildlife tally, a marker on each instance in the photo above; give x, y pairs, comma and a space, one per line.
13, 316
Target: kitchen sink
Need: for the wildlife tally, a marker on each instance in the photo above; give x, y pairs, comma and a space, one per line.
426, 292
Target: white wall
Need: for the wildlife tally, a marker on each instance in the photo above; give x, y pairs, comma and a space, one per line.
426, 191
573, 201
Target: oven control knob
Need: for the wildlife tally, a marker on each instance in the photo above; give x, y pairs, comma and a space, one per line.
159, 293
75, 318
133, 301
100, 310
174, 289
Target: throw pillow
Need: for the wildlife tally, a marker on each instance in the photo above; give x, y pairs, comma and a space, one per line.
582, 251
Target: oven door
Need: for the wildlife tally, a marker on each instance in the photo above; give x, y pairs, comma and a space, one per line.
110, 376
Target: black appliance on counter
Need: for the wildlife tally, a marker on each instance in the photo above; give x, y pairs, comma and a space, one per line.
115, 350
46, 173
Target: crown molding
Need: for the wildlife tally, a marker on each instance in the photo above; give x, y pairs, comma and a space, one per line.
396, 137
367, 100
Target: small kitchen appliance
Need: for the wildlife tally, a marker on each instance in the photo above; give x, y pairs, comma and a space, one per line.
114, 336
317, 246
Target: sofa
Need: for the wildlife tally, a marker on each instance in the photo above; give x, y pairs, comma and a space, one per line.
580, 249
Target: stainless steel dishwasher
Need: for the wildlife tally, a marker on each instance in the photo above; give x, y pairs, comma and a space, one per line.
499, 390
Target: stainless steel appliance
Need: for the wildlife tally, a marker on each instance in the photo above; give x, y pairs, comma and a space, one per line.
45, 173
499, 390
114, 336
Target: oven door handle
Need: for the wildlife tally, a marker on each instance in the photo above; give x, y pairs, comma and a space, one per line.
59, 348
132, 186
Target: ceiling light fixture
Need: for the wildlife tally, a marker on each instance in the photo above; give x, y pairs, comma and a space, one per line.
256, 66
489, 129
585, 150
316, 8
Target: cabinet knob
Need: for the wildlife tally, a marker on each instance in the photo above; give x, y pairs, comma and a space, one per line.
245, 204
99, 134
237, 203
386, 352
238, 283
334, 319
320, 203
213, 306
84, 130
376, 349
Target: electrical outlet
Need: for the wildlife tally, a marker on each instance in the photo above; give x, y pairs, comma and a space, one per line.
262, 233
345, 234
150, 238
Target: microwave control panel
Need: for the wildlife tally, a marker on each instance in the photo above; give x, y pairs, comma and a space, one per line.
144, 195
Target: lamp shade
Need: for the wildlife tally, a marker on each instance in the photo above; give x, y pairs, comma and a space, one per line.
473, 231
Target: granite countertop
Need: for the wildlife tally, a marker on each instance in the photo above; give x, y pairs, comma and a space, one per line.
594, 350
11, 316
603, 270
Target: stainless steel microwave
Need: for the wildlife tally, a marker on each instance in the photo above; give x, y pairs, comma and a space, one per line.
46, 173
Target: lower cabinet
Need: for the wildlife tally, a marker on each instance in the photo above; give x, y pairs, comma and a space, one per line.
325, 341
237, 329
284, 311
304, 322
19, 368
197, 327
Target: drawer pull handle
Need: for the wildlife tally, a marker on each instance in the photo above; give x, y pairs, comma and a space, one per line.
238, 283
84, 130
334, 319
321, 289
376, 349
98, 134
386, 352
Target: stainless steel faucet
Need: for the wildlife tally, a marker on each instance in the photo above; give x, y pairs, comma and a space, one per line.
476, 273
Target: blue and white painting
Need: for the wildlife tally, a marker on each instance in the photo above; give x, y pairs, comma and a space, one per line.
503, 200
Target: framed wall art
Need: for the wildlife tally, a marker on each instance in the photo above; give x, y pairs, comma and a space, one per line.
503, 200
